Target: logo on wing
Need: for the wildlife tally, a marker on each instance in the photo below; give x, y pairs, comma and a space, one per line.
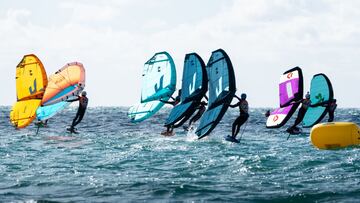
192, 85
218, 89
159, 86
32, 90
289, 75
276, 117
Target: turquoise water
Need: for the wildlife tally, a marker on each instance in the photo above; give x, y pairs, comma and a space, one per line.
112, 160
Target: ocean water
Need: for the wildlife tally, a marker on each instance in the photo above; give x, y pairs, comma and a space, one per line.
113, 160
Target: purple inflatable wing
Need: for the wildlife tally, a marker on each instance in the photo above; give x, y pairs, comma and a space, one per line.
280, 116
291, 86
290, 90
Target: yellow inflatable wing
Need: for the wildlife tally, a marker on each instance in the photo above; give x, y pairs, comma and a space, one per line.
31, 81
23, 112
335, 135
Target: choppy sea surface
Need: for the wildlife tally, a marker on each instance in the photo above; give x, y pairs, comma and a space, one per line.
113, 160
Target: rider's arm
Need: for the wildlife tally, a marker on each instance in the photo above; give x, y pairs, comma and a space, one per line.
167, 102
235, 105
72, 100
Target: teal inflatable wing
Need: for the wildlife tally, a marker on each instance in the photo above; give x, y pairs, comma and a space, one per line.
221, 91
193, 89
321, 92
145, 110
46, 112
158, 82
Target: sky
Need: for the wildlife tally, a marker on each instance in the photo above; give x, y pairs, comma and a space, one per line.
114, 38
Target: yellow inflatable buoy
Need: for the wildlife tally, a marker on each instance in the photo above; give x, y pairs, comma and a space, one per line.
335, 135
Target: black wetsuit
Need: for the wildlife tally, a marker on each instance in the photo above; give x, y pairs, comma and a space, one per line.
331, 109
200, 112
305, 103
169, 128
83, 102
244, 115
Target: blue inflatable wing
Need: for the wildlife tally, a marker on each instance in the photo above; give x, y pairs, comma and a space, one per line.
46, 112
321, 92
222, 89
158, 82
194, 87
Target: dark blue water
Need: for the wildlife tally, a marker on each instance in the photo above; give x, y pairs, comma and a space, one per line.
112, 160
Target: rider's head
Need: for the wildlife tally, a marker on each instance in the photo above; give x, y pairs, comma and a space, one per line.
243, 96
83, 93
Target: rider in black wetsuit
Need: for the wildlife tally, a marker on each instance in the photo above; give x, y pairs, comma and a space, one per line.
267, 113
244, 114
83, 102
170, 128
305, 103
331, 106
201, 109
